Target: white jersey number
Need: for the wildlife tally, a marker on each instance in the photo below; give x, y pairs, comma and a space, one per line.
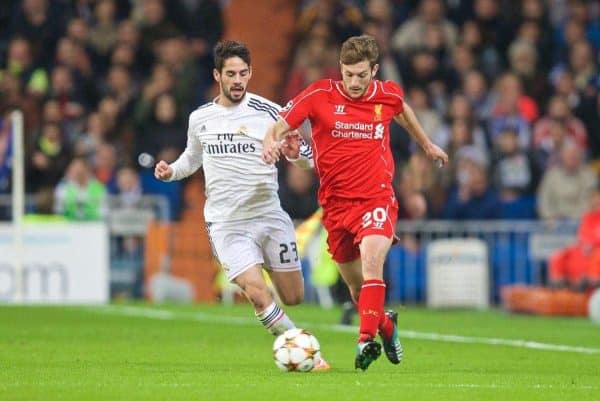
376, 218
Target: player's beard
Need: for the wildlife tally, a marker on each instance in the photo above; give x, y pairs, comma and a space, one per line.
227, 93
358, 92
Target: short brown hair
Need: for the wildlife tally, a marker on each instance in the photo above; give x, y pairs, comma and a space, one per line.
230, 48
359, 48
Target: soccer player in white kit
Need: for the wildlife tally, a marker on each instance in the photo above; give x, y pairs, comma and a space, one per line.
247, 227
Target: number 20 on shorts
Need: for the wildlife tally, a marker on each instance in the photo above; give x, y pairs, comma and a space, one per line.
376, 217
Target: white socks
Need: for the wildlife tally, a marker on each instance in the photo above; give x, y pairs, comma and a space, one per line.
275, 320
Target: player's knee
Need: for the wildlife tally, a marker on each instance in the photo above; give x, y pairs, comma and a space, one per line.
372, 266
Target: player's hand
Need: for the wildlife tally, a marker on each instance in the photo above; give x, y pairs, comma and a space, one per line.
271, 150
436, 154
290, 147
163, 171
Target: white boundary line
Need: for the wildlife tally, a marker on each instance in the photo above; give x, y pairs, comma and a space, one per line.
153, 313
200, 385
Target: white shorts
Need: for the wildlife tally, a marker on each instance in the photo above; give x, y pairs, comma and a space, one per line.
268, 240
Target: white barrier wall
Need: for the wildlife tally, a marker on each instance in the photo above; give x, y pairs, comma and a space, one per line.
65, 263
458, 273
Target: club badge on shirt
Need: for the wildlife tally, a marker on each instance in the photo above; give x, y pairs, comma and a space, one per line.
377, 110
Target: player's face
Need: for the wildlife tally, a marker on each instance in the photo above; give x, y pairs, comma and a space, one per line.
357, 77
233, 79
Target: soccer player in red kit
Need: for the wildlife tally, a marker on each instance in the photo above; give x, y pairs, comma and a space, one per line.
351, 147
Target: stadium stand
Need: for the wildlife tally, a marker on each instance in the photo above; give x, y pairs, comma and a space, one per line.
508, 88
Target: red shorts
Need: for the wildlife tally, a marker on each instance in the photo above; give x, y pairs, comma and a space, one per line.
348, 221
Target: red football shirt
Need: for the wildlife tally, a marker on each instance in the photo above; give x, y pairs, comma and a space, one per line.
350, 137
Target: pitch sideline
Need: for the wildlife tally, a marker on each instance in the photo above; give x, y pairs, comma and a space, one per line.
153, 313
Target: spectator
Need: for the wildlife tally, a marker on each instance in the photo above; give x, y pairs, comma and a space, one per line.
128, 34
42, 24
473, 198
205, 26
582, 65
475, 88
120, 87
155, 25
419, 101
524, 63
423, 69
516, 176
316, 58
173, 52
12, 96
462, 61
20, 64
49, 159
419, 176
79, 196
380, 29
559, 112
411, 35
344, 19
78, 31
572, 31
86, 143
565, 188
547, 153
105, 164
163, 129
161, 81
103, 35
487, 34
460, 110
512, 109
69, 96
298, 194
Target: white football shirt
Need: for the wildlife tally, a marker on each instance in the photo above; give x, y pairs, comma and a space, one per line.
227, 142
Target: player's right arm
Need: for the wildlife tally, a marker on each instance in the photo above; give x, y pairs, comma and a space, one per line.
272, 140
293, 114
297, 151
187, 163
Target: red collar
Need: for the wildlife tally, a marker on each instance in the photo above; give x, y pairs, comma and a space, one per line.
369, 93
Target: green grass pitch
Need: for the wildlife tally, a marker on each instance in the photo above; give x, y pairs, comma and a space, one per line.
147, 352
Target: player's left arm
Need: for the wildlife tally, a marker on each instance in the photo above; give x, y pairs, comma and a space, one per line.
296, 149
272, 141
408, 120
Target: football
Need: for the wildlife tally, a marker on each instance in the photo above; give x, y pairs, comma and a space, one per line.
296, 350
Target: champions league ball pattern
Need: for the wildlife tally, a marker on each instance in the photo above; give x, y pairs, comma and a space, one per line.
296, 350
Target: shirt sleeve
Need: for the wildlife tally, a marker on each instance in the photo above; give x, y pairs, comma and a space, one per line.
394, 90
191, 158
305, 157
299, 108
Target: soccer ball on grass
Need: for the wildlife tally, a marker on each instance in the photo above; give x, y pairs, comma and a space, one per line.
296, 350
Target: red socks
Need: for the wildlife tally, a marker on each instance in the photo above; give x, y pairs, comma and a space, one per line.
370, 310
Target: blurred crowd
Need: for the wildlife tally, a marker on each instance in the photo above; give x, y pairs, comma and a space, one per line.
509, 88
99, 82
